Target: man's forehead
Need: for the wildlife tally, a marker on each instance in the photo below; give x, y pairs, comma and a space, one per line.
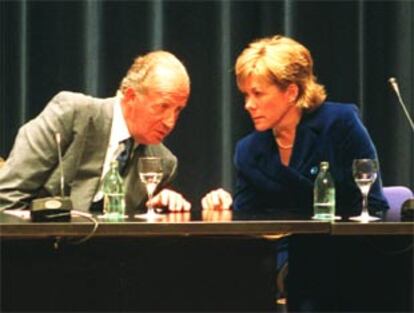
163, 95
166, 89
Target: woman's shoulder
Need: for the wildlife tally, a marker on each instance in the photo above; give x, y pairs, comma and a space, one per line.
255, 138
332, 113
255, 143
338, 109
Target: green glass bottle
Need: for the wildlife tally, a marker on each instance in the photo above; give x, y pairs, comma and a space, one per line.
324, 194
114, 193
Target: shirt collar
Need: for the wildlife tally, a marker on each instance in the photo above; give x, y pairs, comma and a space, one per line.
119, 130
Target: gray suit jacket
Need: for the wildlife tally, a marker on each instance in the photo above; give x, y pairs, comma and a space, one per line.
84, 123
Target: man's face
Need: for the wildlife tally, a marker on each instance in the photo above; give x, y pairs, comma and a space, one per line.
152, 114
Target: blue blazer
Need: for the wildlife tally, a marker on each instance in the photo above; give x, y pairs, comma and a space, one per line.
334, 133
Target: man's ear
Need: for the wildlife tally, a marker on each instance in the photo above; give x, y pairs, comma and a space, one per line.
129, 94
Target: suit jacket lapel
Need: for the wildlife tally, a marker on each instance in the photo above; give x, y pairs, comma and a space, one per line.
96, 138
307, 150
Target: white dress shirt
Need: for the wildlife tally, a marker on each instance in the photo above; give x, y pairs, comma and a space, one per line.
119, 133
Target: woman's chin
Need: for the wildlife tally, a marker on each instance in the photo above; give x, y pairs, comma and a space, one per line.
261, 128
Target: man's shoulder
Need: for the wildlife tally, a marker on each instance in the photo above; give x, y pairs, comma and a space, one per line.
69, 102
65, 97
70, 96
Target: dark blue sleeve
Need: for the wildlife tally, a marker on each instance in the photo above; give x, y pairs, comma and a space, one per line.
355, 143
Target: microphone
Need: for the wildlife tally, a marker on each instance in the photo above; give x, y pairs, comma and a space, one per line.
57, 208
407, 208
394, 86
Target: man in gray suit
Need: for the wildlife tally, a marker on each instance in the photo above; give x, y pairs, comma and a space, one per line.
146, 108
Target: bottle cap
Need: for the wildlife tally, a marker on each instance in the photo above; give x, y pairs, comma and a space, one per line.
325, 164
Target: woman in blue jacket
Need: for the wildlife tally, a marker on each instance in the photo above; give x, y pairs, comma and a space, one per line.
295, 129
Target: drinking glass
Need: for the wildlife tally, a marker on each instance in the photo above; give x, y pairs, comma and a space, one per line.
365, 173
150, 172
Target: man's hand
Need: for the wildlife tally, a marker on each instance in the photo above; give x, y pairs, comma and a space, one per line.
172, 200
218, 199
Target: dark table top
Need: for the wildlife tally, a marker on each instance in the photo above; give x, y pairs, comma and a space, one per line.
269, 225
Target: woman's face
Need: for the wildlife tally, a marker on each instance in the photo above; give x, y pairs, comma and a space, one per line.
266, 103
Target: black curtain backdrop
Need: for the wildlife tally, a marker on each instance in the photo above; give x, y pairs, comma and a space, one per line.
87, 46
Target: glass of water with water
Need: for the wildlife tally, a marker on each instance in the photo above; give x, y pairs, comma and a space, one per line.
150, 172
365, 173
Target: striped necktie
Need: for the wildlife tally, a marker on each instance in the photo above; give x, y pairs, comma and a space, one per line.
123, 157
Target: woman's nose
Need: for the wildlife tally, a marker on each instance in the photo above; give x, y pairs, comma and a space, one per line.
249, 104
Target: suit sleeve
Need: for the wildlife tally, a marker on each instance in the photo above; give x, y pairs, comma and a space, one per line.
172, 171
357, 144
34, 154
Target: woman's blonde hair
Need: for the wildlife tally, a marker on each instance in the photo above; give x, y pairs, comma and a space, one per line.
282, 61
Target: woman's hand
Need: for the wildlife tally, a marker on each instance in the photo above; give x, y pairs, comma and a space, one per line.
218, 199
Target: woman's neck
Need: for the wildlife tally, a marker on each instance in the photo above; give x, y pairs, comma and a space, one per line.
285, 131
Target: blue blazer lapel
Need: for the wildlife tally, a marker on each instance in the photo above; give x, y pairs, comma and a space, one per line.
261, 160
307, 151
